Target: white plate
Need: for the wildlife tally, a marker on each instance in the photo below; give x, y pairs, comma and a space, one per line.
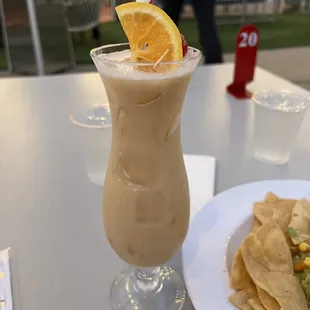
208, 249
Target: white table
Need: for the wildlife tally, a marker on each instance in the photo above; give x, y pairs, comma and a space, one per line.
50, 213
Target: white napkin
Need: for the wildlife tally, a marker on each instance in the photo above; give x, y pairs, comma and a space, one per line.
201, 174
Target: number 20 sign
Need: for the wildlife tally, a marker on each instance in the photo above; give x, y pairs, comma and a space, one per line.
245, 61
248, 39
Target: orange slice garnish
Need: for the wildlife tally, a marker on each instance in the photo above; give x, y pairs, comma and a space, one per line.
151, 33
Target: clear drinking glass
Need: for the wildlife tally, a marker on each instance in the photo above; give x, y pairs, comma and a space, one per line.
278, 117
94, 130
146, 196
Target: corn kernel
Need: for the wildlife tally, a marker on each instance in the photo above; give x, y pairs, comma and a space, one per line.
303, 247
307, 261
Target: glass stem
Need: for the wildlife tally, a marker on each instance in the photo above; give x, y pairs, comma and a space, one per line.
147, 279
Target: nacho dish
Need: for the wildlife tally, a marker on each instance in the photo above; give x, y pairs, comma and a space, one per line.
271, 269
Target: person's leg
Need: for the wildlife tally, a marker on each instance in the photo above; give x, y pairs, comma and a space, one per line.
96, 35
173, 8
209, 40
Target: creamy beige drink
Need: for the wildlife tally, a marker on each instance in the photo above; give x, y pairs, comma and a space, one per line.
146, 197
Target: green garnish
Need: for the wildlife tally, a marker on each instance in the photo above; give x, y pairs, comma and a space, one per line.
292, 232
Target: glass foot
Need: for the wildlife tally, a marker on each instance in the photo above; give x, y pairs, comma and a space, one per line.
158, 288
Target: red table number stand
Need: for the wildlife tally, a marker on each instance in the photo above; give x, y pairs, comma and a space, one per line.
245, 61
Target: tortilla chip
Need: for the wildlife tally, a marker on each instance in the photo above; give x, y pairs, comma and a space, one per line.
239, 277
268, 301
271, 198
240, 300
256, 225
281, 212
256, 304
283, 218
246, 298
263, 211
272, 271
275, 250
299, 225
286, 289
265, 259
285, 205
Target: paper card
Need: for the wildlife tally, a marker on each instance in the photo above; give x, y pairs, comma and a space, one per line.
6, 302
201, 176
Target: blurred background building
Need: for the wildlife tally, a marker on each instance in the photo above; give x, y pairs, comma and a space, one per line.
53, 36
